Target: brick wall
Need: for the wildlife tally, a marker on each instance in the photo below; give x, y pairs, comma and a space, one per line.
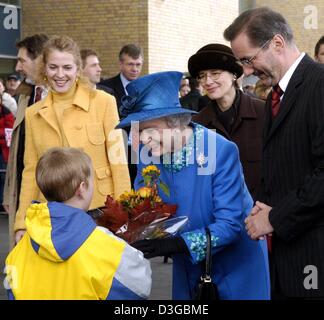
103, 25
168, 30
297, 13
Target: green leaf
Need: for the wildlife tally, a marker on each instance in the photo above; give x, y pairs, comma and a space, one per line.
164, 188
147, 180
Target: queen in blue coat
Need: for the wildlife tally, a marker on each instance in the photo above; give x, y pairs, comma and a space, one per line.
204, 175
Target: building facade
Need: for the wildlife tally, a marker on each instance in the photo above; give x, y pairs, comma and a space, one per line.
10, 32
169, 31
306, 18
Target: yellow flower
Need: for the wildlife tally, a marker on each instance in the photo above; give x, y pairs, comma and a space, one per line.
145, 192
157, 199
150, 170
127, 196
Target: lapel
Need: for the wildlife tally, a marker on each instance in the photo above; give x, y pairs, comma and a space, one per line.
22, 105
46, 111
267, 119
121, 88
245, 110
288, 101
24, 90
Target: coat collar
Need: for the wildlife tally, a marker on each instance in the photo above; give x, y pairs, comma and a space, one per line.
245, 111
25, 89
81, 99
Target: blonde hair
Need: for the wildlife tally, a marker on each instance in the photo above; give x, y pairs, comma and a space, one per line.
261, 90
60, 171
62, 44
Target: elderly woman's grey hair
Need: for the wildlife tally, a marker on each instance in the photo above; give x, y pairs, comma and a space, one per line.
178, 120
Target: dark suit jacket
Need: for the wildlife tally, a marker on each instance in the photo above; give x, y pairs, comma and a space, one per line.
115, 84
106, 89
293, 180
191, 100
246, 133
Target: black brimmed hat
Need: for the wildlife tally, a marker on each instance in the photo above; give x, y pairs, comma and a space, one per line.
214, 56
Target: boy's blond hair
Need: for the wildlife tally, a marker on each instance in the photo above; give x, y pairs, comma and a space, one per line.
60, 171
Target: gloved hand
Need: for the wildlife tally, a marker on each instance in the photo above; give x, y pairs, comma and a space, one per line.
161, 247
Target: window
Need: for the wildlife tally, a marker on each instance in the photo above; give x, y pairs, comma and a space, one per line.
14, 2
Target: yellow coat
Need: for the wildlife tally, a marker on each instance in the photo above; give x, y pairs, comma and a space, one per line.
88, 125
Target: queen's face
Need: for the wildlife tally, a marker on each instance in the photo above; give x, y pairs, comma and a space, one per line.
61, 71
157, 136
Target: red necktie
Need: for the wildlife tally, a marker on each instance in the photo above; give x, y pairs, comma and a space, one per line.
38, 94
275, 100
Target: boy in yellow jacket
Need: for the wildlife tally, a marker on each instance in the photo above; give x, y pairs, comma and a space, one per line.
63, 254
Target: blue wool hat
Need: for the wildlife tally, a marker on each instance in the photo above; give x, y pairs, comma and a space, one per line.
151, 97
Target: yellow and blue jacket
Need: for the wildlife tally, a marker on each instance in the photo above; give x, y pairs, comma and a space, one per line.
64, 255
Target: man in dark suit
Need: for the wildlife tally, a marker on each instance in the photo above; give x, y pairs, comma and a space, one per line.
131, 59
291, 201
30, 91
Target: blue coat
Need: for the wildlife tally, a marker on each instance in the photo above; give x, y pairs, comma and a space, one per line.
211, 191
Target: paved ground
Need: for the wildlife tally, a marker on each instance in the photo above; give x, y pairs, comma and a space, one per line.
161, 289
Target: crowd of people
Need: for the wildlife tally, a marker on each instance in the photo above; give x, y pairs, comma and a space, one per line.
247, 166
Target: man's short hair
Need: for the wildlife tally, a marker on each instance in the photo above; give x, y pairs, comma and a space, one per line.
317, 46
260, 25
60, 171
33, 44
85, 53
131, 50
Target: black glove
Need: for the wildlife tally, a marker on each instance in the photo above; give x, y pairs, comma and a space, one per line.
161, 247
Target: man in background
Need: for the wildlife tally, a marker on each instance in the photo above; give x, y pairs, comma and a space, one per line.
12, 83
191, 99
92, 69
131, 59
319, 50
29, 55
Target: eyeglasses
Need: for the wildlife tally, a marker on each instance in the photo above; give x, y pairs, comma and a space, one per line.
248, 62
214, 75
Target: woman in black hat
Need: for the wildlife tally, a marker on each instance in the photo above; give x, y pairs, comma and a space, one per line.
234, 114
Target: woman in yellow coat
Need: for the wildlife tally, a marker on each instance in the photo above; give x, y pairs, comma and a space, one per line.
72, 115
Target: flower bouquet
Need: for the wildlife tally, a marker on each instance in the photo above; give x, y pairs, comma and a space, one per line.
142, 214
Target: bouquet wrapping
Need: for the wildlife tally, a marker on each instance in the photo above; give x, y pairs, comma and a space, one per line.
141, 214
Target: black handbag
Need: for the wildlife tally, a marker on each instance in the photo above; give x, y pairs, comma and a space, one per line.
206, 290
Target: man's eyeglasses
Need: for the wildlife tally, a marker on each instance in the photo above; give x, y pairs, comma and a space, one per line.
214, 75
248, 62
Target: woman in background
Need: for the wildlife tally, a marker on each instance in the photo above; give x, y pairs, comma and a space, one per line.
234, 114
